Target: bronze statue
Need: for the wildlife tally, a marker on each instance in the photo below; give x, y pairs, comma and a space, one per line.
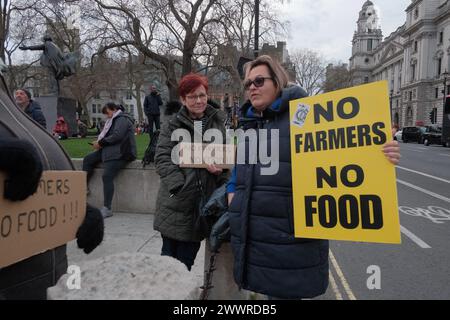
61, 65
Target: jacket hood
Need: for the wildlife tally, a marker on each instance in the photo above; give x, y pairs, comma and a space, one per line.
34, 105
183, 115
126, 115
279, 106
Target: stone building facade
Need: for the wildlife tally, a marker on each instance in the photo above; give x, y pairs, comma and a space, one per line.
414, 60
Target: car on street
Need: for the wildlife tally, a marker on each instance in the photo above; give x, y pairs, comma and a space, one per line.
413, 134
433, 135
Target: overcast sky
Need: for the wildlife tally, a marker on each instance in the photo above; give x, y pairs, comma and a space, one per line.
327, 26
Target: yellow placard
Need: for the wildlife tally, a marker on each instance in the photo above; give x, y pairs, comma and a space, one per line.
344, 188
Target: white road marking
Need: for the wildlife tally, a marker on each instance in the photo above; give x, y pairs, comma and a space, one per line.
341, 277
433, 213
424, 174
430, 193
414, 238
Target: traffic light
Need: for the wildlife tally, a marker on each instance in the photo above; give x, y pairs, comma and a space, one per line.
432, 117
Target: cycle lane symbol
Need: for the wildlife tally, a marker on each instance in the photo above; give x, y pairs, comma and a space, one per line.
435, 214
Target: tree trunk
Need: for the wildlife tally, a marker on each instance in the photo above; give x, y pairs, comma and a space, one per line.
139, 101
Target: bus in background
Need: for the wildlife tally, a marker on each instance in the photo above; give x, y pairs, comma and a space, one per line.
446, 123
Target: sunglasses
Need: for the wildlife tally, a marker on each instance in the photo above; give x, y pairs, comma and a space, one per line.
258, 82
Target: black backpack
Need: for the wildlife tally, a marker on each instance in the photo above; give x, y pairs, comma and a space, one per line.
149, 155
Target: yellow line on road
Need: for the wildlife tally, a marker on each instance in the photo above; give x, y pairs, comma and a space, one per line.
341, 277
335, 288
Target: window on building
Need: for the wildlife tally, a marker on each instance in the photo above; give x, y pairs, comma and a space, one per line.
409, 116
369, 45
97, 95
436, 93
94, 108
129, 95
416, 13
131, 110
410, 96
413, 73
441, 37
439, 66
366, 79
416, 45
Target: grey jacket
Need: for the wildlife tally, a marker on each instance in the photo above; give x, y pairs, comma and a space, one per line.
179, 195
119, 143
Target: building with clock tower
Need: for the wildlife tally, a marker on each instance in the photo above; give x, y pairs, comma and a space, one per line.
366, 38
414, 60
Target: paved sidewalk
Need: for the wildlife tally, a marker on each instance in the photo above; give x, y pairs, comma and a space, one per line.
126, 232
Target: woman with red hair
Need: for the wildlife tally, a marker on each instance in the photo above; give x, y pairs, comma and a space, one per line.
182, 189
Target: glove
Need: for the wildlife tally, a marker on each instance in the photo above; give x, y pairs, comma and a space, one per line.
23, 166
217, 204
90, 233
220, 232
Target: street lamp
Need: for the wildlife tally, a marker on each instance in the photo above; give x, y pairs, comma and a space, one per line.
256, 28
445, 114
391, 93
445, 74
444, 92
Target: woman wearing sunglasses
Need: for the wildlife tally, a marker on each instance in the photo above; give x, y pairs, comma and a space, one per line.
268, 259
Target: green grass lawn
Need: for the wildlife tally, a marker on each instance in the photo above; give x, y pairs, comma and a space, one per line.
79, 148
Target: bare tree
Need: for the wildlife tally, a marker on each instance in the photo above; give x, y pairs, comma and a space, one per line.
337, 77
164, 31
310, 70
17, 26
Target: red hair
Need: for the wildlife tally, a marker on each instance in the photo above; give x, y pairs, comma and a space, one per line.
191, 82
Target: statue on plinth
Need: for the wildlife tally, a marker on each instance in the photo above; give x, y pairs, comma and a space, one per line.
60, 65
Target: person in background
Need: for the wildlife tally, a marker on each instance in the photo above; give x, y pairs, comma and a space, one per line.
182, 189
268, 258
61, 129
115, 147
226, 103
152, 105
29, 106
82, 129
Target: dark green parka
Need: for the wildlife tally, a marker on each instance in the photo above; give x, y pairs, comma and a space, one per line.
179, 194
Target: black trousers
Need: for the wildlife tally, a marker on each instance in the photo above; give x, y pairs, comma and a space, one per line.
181, 250
153, 119
110, 170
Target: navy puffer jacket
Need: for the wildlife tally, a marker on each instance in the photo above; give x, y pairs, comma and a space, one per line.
268, 259
34, 111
